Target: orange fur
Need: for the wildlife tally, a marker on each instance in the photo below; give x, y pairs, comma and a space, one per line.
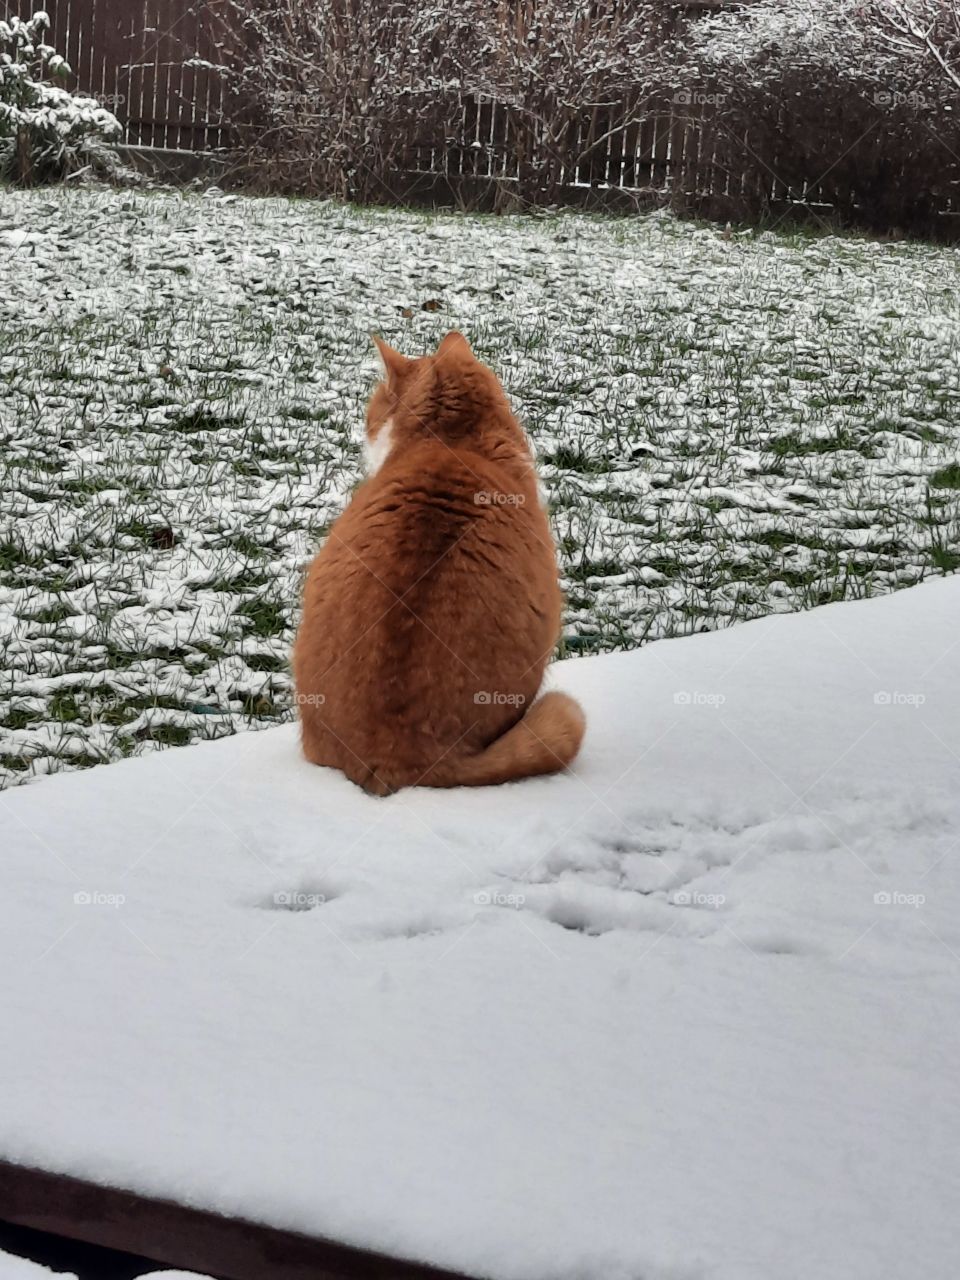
432, 609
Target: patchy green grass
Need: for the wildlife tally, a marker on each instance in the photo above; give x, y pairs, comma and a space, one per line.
726, 428
947, 477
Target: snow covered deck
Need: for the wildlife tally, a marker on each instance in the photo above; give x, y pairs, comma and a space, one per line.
690, 1011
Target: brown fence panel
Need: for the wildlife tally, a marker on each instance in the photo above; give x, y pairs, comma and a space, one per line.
170, 104
131, 56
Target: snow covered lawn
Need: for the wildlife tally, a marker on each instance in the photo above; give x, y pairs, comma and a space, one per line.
691, 1012
728, 428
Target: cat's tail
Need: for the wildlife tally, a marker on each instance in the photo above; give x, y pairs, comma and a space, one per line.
546, 740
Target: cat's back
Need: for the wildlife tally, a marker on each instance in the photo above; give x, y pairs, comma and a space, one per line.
443, 559
439, 510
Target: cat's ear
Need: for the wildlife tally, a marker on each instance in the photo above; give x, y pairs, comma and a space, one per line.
454, 343
394, 364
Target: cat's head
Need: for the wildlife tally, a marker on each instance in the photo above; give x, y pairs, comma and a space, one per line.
449, 396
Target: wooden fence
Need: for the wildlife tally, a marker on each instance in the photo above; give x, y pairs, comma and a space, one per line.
130, 55
656, 148
144, 60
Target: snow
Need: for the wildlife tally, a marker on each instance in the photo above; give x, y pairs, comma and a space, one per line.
688, 1012
14, 1268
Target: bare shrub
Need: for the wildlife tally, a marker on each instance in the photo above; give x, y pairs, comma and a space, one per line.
571, 77
332, 96
848, 103
922, 33
342, 97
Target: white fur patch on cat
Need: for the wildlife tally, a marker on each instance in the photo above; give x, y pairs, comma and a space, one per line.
376, 451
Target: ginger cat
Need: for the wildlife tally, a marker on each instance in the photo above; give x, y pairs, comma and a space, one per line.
432, 609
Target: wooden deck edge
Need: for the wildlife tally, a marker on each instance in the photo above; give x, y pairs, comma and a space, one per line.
188, 1239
